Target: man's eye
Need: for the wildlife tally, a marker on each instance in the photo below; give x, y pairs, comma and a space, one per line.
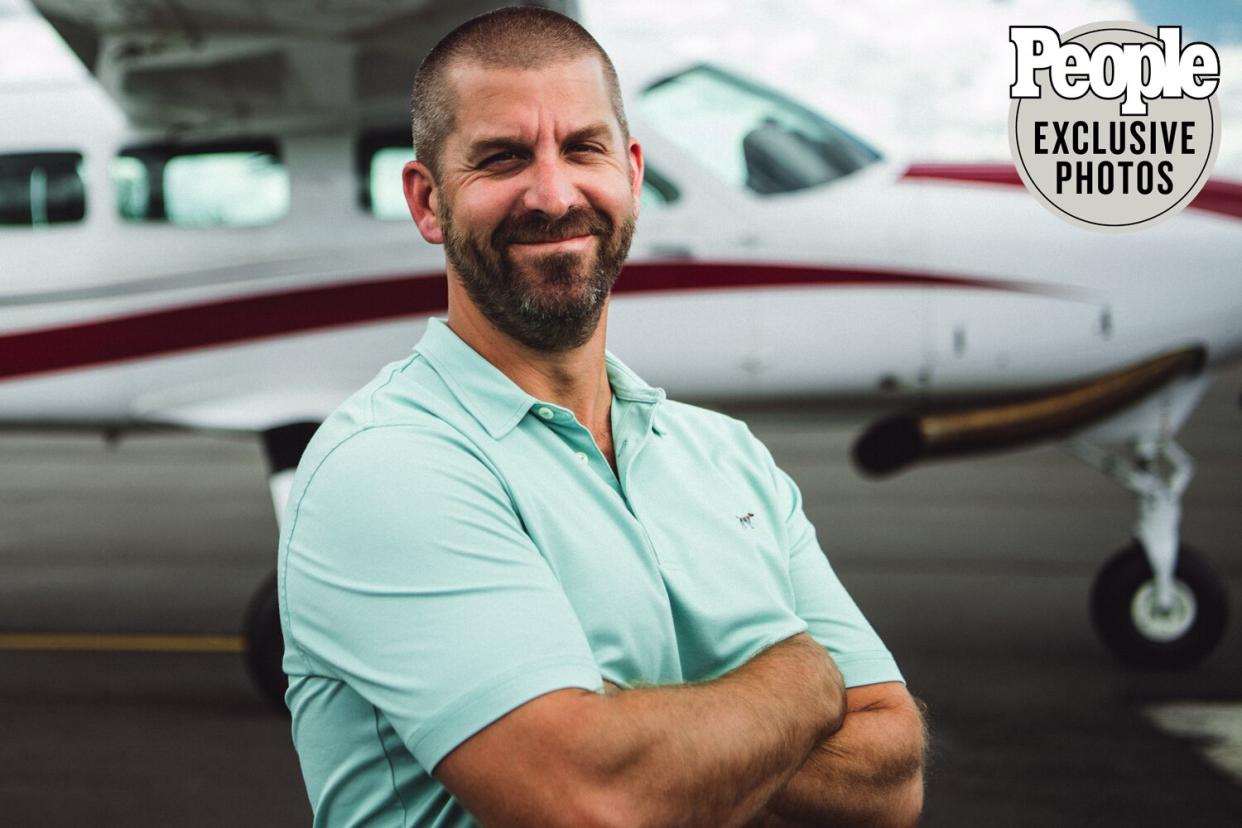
498, 159
581, 148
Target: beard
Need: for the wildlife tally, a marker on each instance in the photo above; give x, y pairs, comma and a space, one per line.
549, 303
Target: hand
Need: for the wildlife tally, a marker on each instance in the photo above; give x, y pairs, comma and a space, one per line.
821, 677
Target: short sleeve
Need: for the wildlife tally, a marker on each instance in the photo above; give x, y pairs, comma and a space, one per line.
832, 617
408, 576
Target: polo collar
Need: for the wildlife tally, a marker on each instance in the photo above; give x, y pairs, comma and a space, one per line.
496, 401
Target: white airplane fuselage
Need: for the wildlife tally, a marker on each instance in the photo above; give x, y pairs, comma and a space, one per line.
881, 285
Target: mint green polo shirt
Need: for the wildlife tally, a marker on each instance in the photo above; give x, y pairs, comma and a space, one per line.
454, 547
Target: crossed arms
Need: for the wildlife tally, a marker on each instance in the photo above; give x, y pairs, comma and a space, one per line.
777, 742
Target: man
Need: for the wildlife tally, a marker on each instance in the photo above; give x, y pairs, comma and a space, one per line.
521, 587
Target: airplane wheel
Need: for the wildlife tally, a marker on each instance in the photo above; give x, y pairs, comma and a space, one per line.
1124, 611
265, 644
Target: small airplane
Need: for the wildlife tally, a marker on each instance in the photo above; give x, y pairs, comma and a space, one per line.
233, 255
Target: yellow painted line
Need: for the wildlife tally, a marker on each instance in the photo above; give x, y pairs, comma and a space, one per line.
118, 643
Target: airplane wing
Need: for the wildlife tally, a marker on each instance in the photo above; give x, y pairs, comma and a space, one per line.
230, 64
241, 410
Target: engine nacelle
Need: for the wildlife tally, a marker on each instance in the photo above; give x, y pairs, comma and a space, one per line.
895, 442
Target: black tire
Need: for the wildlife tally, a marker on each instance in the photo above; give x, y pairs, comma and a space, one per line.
1114, 610
265, 644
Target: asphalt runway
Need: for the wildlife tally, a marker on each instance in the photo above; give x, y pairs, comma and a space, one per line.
976, 574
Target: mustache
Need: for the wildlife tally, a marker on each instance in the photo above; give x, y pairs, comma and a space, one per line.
534, 227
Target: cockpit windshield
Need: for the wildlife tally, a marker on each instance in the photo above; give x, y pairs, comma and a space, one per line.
748, 135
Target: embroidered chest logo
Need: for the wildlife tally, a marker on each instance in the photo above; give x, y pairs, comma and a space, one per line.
746, 520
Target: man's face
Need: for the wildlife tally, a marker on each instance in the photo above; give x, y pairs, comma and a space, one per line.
538, 198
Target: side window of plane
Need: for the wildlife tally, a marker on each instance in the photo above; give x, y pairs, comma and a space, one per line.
41, 188
748, 135
658, 191
379, 156
233, 184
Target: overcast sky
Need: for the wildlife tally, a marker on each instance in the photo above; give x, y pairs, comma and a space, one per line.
919, 79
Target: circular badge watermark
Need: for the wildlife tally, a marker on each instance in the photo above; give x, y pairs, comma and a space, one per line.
1115, 126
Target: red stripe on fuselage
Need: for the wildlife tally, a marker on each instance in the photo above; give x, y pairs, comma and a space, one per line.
1217, 196
170, 330
246, 318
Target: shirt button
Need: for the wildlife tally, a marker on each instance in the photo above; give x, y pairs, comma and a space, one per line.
546, 413
581, 456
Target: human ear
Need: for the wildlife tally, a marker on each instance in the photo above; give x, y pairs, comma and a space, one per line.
635, 158
422, 196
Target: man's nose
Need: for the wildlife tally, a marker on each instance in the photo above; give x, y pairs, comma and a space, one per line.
552, 190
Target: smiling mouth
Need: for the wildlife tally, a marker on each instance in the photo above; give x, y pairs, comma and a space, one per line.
573, 242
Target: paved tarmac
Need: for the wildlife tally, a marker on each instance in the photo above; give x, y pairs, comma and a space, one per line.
976, 574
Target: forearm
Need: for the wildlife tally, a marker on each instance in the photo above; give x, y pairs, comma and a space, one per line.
712, 754
869, 773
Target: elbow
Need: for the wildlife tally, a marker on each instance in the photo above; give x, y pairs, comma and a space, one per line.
575, 805
604, 793
900, 806
907, 802
907, 807
626, 801
608, 807
903, 804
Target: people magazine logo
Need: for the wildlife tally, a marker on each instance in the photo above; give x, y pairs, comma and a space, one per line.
1114, 126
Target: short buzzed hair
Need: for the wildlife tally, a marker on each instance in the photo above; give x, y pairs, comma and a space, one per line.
518, 37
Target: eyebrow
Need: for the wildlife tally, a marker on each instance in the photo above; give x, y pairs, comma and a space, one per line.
507, 143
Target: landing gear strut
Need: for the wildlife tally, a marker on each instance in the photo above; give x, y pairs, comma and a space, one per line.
1156, 603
